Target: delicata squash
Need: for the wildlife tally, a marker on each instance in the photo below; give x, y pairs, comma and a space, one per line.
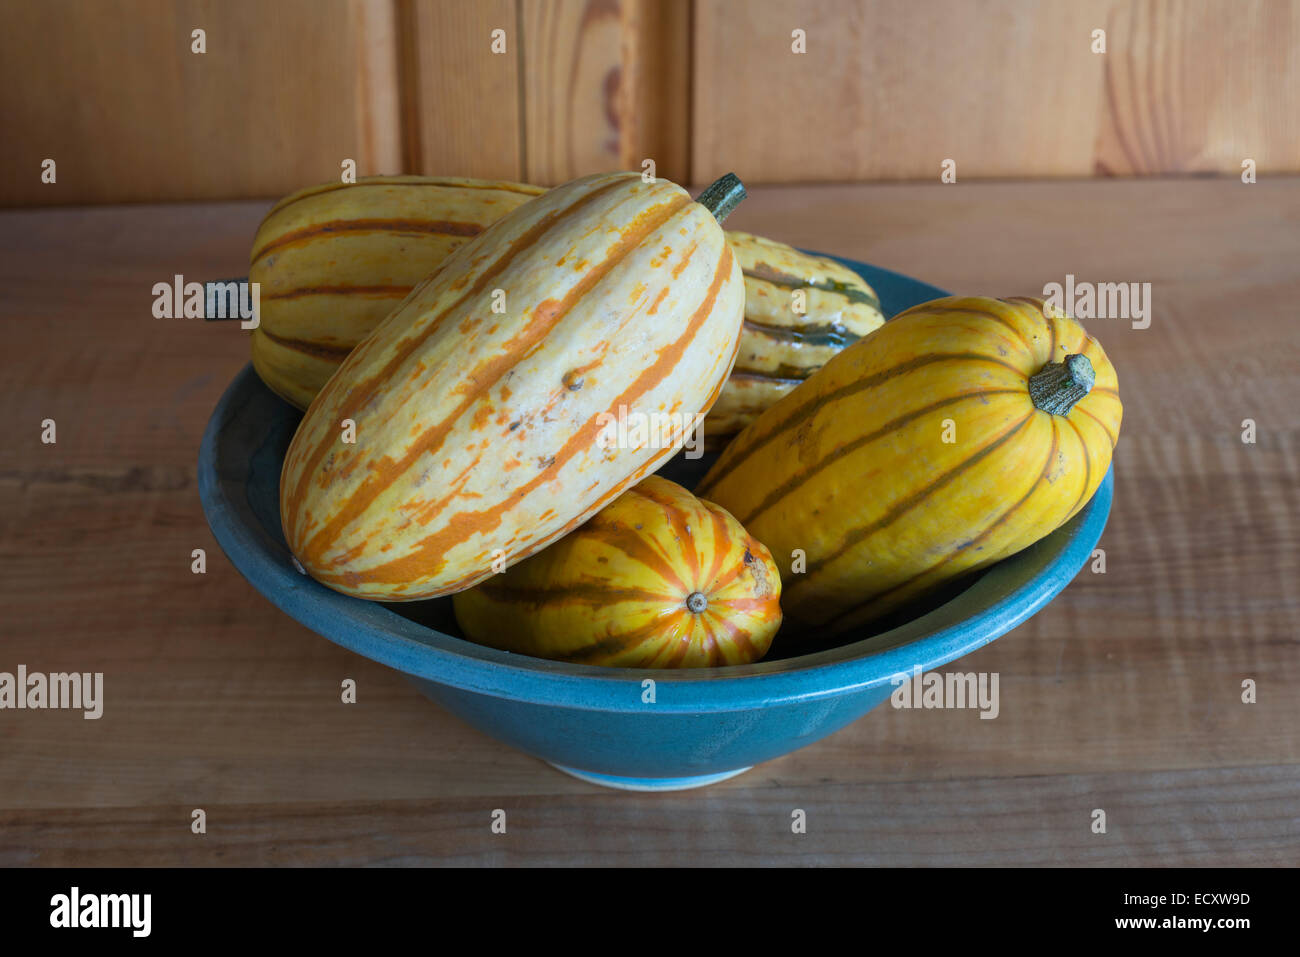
465, 433
800, 310
960, 432
656, 579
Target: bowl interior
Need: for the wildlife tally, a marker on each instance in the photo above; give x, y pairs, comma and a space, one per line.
239, 472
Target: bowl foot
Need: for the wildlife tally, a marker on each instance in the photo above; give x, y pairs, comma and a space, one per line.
648, 784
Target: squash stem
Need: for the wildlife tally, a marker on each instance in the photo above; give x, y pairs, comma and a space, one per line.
723, 196
1057, 386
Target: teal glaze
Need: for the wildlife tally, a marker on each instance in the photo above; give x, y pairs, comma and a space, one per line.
703, 725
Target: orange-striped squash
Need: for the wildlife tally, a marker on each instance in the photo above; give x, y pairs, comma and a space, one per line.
333, 260
800, 310
483, 407
656, 579
960, 432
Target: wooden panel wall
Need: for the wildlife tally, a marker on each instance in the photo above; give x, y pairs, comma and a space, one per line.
110, 90
606, 86
1198, 85
461, 110
887, 89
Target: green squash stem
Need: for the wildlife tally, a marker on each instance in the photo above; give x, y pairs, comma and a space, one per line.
723, 196
1057, 386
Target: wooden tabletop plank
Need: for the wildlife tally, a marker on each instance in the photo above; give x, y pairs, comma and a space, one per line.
1123, 694
1225, 816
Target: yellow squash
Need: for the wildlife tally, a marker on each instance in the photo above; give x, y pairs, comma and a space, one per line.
334, 260
960, 432
657, 579
799, 311
481, 420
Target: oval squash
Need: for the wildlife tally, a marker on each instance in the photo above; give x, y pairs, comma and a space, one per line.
656, 579
481, 407
958, 433
333, 260
779, 346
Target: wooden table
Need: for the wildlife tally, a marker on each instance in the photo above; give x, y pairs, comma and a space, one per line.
1124, 694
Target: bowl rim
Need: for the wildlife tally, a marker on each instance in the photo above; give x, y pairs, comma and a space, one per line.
1005, 595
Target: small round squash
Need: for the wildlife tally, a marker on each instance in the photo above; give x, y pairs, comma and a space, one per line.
656, 579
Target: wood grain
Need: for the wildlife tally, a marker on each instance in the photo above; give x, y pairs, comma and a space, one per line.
887, 90
1230, 816
112, 92
1124, 693
462, 103
658, 123
605, 86
1199, 86
1007, 88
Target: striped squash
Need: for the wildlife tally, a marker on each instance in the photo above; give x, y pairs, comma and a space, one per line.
483, 406
960, 432
780, 347
334, 260
656, 579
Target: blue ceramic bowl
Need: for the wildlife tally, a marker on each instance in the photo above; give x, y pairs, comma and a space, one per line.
612, 726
